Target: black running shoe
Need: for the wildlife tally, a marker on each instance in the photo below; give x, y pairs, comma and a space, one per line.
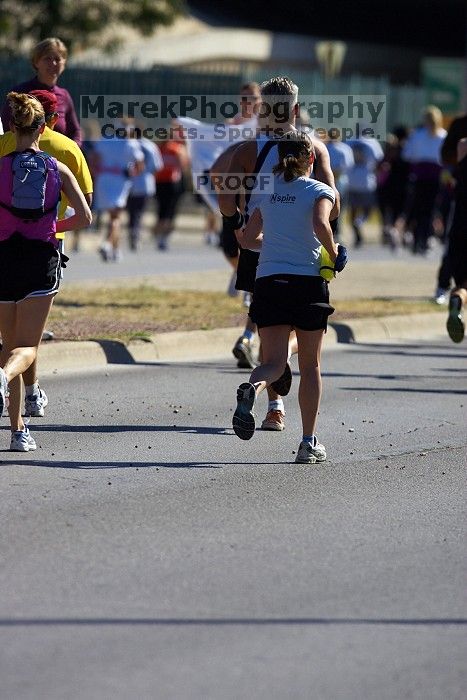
455, 323
243, 420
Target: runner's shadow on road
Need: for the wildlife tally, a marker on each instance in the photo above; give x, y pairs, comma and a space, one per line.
187, 429
227, 621
385, 377
449, 369
90, 466
406, 350
117, 353
405, 390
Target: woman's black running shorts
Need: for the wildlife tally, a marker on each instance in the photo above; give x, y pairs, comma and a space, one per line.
300, 301
28, 268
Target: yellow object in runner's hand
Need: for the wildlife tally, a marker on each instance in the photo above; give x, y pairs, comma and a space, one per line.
326, 266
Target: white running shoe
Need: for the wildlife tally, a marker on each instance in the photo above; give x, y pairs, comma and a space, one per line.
307, 454
243, 351
441, 296
21, 441
211, 238
3, 391
34, 405
231, 291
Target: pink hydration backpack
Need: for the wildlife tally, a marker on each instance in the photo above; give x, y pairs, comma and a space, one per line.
29, 193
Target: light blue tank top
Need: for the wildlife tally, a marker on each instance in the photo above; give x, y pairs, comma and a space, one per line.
289, 244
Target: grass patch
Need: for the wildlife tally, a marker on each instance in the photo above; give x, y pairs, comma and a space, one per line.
128, 313
382, 306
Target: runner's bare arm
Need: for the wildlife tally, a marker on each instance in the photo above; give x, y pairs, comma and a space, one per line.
251, 237
221, 167
82, 216
322, 227
461, 150
222, 162
323, 172
449, 146
242, 160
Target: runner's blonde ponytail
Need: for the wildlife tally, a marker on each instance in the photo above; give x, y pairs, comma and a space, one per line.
27, 113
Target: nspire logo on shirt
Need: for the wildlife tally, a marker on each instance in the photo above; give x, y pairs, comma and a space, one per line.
282, 198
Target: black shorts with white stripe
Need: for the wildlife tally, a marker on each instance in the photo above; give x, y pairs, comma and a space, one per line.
28, 268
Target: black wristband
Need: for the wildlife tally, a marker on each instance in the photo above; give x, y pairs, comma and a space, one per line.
235, 221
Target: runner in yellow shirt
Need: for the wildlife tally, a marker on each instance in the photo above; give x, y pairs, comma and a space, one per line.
57, 145
68, 152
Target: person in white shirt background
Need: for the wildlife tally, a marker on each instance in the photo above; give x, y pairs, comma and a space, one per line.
362, 182
342, 160
423, 151
143, 185
116, 161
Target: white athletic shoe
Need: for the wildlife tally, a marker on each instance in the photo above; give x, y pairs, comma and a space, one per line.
441, 296
3, 391
34, 405
307, 454
21, 441
231, 291
211, 238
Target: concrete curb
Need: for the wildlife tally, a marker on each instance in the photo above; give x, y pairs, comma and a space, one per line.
196, 346
408, 327
79, 355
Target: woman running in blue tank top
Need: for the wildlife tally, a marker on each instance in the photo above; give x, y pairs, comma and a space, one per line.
292, 226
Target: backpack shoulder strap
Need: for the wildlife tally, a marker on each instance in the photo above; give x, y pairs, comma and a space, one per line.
54, 163
261, 157
45, 156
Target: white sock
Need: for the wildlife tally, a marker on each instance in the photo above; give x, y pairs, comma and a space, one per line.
276, 405
32, 390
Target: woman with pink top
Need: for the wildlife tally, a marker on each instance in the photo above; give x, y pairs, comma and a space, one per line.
30, 185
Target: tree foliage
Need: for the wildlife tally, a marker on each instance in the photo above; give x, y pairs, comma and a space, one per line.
81, 23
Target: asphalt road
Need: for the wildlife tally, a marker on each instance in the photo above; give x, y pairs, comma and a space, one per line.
146, 552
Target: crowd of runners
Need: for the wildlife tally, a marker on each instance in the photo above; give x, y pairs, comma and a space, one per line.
282, 242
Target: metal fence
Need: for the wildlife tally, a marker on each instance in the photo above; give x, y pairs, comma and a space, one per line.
404, 103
